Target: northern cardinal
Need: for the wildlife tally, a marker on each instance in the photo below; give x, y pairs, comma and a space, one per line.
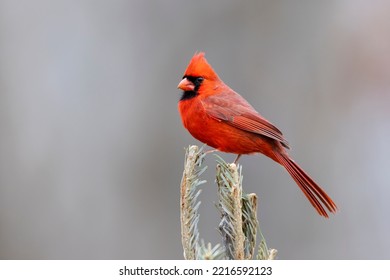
221, 118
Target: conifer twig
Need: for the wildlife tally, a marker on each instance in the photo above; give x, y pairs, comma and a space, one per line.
230, 191
263, 252
188, 202
239, 223
207, 252
249, 223
272, 254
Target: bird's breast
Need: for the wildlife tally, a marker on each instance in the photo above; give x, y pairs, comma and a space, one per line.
216, 133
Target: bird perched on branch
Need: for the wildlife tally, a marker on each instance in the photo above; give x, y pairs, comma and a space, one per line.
218, 116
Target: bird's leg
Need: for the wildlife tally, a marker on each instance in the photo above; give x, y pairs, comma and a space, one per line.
237, 158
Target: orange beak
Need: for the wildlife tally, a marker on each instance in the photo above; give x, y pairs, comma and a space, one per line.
186, 85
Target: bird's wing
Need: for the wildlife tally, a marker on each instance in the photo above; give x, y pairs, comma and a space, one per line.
236, 111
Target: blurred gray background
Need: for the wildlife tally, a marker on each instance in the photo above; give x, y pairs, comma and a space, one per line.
92, 145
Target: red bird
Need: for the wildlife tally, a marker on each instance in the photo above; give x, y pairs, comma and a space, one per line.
218, 116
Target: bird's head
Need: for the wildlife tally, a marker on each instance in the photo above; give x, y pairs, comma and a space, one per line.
198, 74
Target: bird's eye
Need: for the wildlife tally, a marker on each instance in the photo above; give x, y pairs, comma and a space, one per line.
199, 79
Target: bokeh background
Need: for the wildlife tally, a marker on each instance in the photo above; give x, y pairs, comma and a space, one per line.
92, 146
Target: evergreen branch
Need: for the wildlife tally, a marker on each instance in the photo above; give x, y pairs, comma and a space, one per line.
272, 254
188, 200
210, 253
231, 225
263, 253
239, 224
249, 223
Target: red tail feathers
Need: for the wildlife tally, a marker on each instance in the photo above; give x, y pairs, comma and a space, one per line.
314, 193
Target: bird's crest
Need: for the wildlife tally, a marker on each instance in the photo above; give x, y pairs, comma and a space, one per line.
199, 66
